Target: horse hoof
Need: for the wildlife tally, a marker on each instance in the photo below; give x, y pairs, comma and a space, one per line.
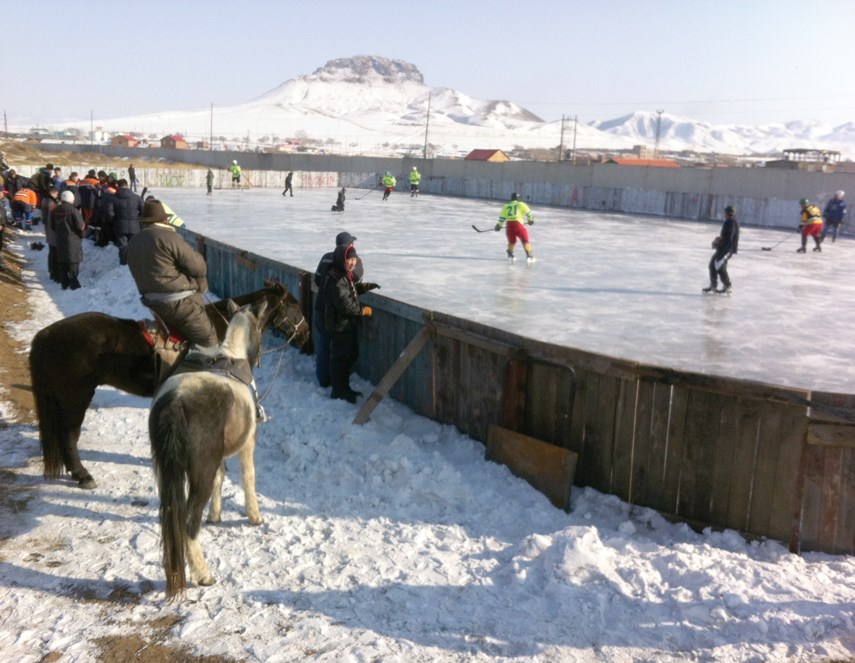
207, 581
256, 521
87, 484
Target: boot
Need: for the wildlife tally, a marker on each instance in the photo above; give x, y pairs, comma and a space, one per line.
712, 287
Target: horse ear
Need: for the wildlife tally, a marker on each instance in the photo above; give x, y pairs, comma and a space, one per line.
261, 310
231, 307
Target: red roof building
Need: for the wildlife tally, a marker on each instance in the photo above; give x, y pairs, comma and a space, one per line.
124, 140
496, 156
174, 140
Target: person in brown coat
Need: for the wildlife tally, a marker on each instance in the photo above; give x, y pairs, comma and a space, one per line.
170, 276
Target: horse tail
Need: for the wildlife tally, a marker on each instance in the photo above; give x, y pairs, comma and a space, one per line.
167, 428
51, 416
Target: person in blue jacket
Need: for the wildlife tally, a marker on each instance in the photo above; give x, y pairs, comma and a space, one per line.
835, 211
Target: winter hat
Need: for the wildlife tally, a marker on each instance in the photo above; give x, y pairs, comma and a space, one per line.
66, 197
343, 239
153, 212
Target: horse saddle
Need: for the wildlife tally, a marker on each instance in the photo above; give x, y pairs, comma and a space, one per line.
236, 369
168, 347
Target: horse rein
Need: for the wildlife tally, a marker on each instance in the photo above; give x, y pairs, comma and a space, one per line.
280, 349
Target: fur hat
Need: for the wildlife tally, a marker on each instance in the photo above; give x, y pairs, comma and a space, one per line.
153, 212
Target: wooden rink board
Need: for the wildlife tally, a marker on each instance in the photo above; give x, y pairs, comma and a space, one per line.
546, 467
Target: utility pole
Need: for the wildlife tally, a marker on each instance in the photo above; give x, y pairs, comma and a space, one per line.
561, 144
658, 128
91, 127
427, 124
575, 123
5, 124
211, 130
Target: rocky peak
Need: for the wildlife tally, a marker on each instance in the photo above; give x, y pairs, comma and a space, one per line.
368, 69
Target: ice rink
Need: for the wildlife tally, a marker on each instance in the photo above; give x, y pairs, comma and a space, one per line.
621, 285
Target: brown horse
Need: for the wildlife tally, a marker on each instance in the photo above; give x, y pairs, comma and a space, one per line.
70, 358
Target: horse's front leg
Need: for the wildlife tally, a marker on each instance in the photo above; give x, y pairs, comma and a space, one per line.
215, 513
199, 572
247, 470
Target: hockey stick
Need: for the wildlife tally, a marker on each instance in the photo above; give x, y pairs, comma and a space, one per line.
363, 196
478, 230
769, 248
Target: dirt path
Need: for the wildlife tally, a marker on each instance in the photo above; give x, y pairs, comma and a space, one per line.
14, 372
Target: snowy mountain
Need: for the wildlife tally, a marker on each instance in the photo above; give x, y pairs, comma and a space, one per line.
369, 104
679, 133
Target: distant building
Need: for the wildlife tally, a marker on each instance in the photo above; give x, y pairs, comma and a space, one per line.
124, 140
824, 161
656, 163
174, 141
496, 156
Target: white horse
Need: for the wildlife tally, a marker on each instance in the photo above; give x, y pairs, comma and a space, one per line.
206, 411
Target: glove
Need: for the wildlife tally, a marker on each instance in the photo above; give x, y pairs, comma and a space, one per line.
371, 286
367, 311
716, 242
531, 222
498, 227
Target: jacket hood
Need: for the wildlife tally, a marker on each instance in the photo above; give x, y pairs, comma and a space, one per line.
342, 253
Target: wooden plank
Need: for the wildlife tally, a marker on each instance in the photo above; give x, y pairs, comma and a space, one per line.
787, 468
768, 446
674, 450
547, 467
831, 435
703, 419
741, 488
603, 453
845, 541
723, 470
830, 499
655, 462
639, 479
512, 415
624, 438
392, 376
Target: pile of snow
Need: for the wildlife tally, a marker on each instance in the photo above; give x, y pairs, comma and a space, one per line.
392, 541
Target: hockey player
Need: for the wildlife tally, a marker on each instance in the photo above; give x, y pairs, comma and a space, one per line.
725, 245
834, 212
810, 225
388, 181
415, 178
235, 170
512, 214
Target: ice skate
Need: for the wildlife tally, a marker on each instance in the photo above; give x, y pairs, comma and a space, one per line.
817, 249
801, 250
712, 287
511, 256
724, 290
530, 259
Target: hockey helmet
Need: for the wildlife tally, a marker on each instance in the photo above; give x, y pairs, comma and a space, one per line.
804, 202
414, 168
839, 194
515, 196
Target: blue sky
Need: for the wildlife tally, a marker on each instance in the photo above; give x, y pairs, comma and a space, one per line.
723, 61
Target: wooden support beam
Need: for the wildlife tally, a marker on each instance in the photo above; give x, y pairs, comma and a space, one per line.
396, 371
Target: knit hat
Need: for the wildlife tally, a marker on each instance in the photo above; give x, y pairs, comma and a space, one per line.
344, 238
66, 197
153, 212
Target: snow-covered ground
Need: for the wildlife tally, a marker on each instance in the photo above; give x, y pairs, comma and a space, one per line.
621, 285
396, 541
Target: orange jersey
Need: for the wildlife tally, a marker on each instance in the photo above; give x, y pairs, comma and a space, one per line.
26, 195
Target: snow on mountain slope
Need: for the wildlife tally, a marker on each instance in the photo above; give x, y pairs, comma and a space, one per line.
372, 104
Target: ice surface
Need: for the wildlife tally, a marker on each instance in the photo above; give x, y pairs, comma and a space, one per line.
622, 285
